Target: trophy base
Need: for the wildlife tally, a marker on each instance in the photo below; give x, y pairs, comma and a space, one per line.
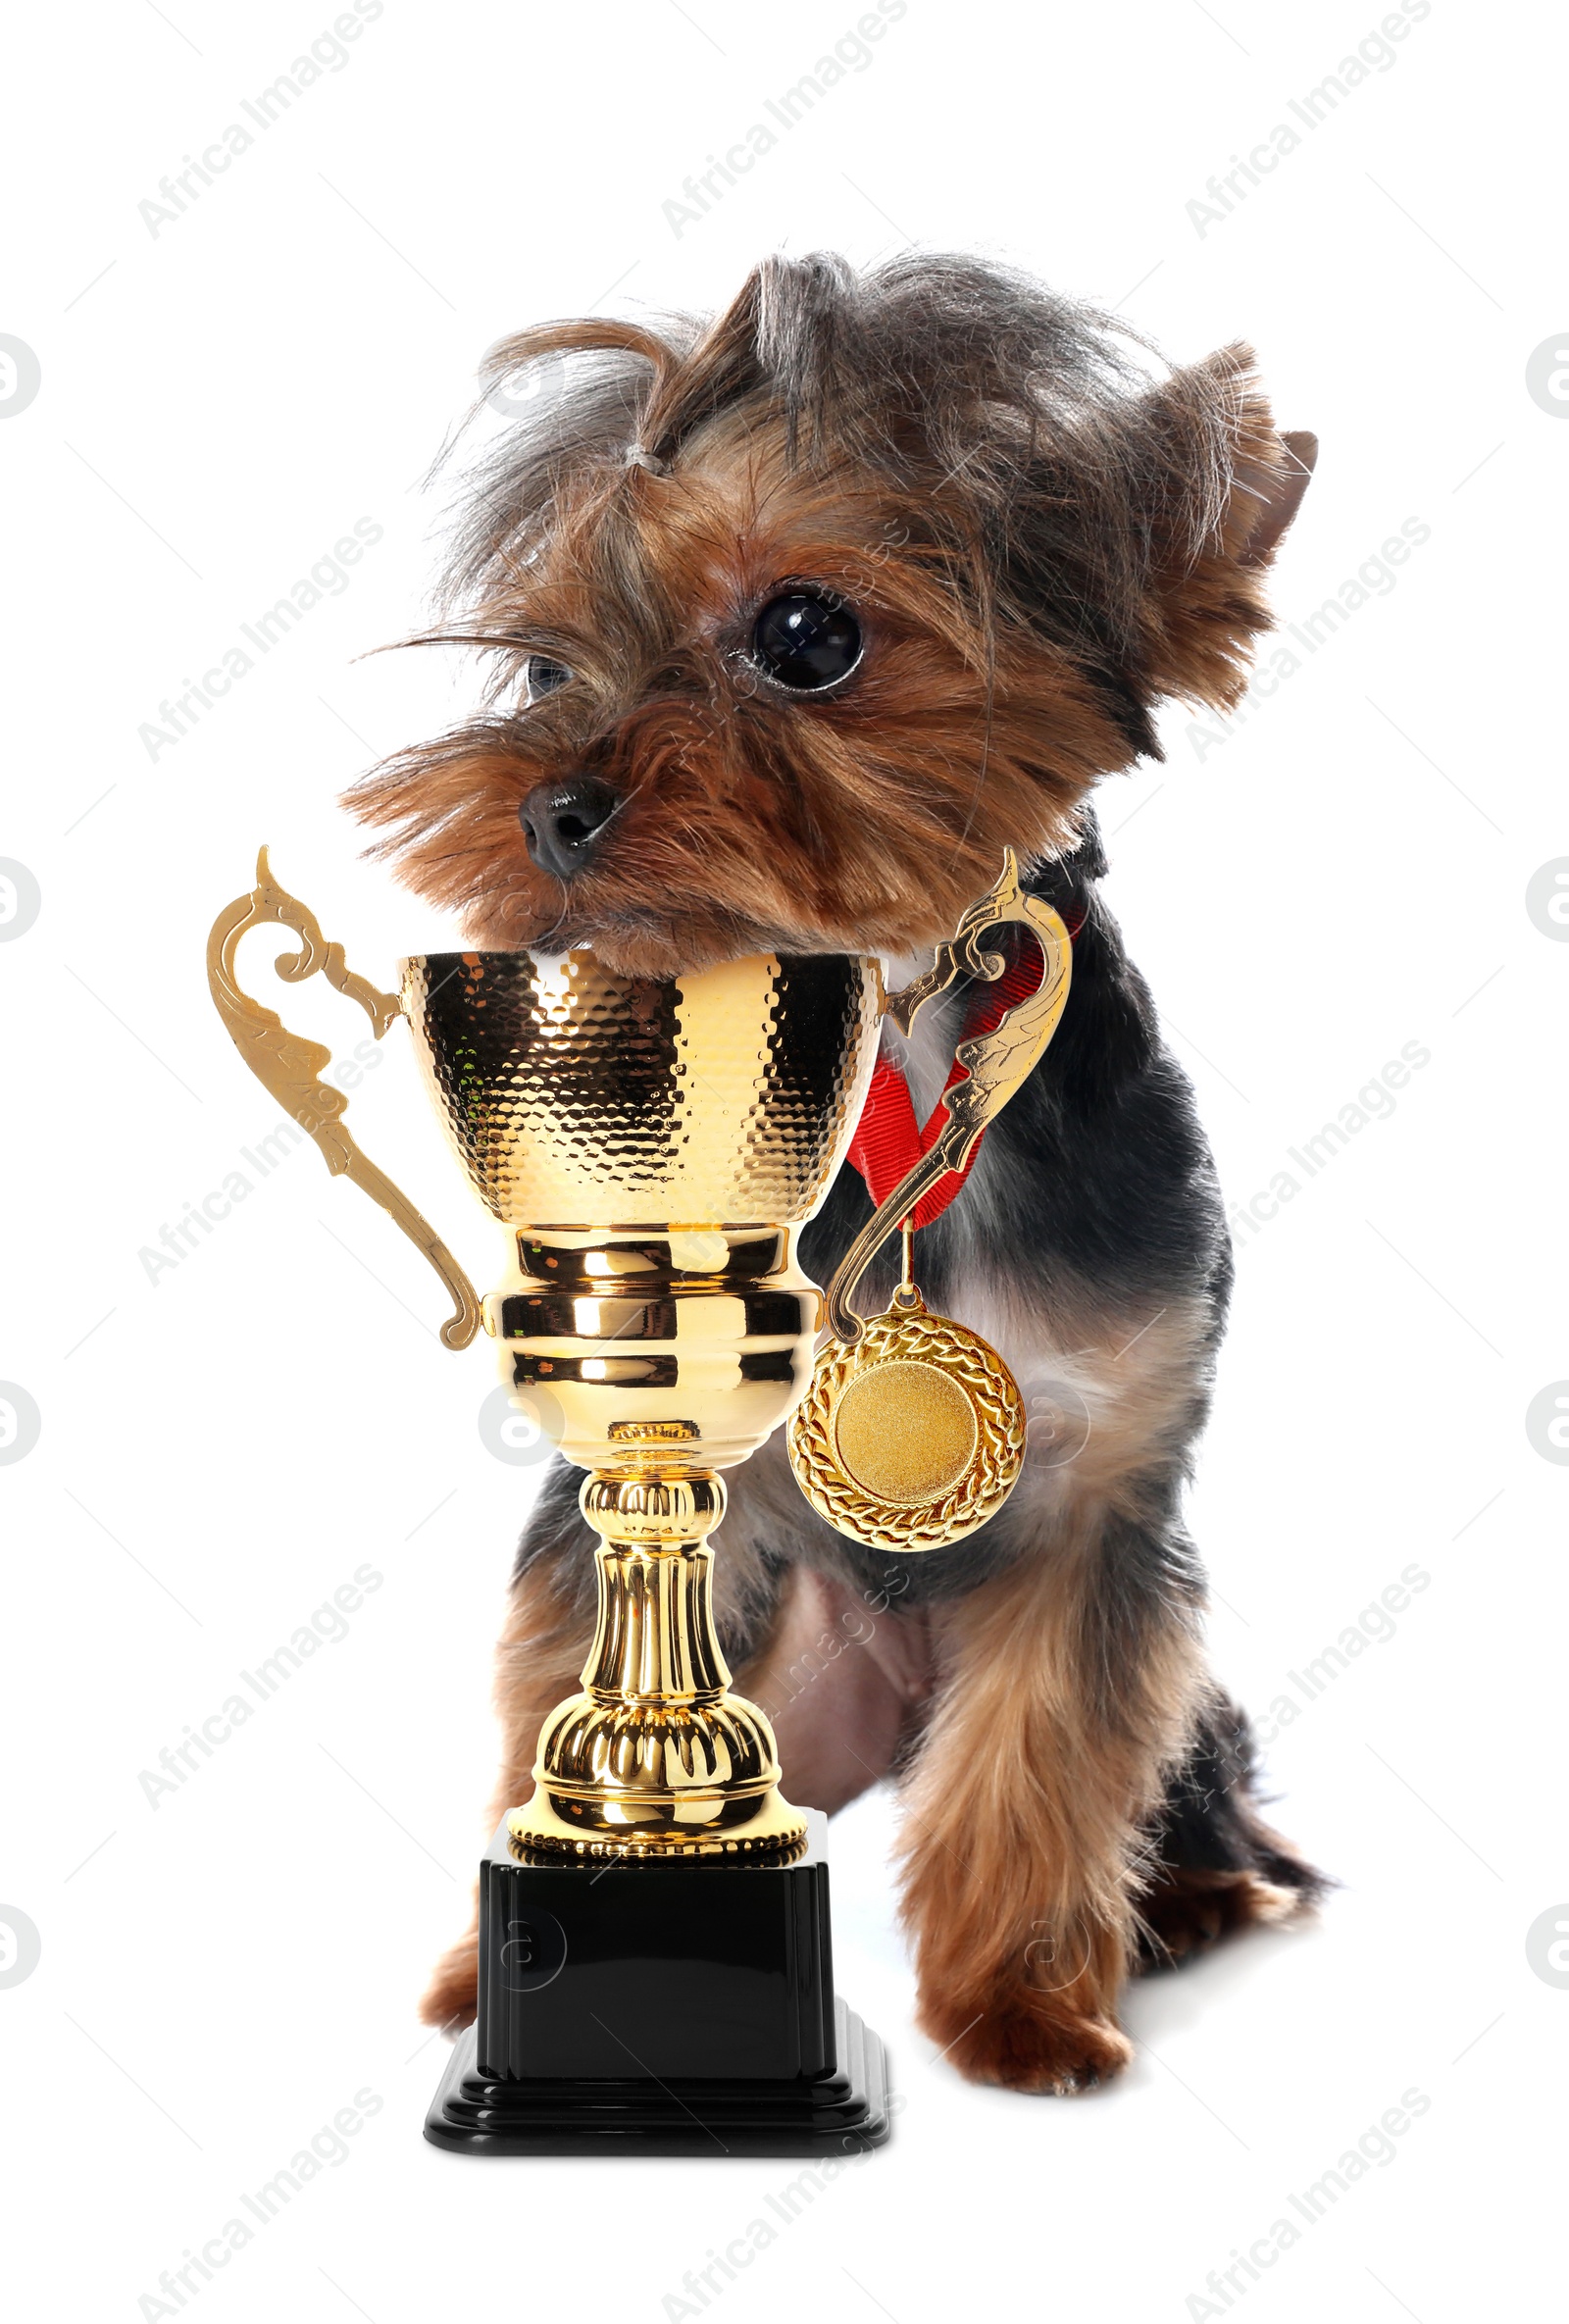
676, 2007
840, 2114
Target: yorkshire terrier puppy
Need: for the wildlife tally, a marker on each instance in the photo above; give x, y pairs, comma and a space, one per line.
797, 618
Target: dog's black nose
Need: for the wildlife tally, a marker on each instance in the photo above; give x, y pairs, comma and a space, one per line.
562, 821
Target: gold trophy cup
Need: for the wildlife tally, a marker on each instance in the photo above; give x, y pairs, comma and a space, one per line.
653, 1149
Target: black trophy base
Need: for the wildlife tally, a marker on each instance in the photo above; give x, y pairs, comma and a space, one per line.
682, 2009
840, 2113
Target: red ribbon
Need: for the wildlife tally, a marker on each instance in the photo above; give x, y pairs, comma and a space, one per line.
886, 1144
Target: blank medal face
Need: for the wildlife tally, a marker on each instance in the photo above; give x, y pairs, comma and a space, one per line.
913, 1438
905, 1431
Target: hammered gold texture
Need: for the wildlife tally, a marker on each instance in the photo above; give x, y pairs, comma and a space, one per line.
911, 1337
577, 1099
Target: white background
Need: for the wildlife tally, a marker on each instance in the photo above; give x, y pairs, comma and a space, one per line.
221, 1447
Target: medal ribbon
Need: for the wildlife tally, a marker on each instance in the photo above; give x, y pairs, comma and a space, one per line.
887, 1143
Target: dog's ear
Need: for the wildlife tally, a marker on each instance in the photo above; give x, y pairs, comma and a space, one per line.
1219, 485
1278, 495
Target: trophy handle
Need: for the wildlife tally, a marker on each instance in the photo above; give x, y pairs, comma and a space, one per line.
287, 1063
998, 1062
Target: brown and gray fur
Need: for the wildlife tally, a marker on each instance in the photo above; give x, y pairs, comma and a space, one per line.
1039, 542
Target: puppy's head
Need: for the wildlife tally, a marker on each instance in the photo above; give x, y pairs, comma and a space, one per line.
796, 619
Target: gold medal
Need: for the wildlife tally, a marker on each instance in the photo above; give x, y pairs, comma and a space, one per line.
912, 1438
912, 1431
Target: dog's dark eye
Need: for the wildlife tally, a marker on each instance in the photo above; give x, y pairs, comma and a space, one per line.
542, 676
806, 642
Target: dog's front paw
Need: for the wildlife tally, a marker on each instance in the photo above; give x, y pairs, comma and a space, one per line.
1023, 2043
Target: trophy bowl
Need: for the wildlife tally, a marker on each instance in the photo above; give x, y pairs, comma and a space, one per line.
655, 1147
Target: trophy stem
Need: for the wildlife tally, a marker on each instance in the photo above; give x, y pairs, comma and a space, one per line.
655, 1642
656, 1757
